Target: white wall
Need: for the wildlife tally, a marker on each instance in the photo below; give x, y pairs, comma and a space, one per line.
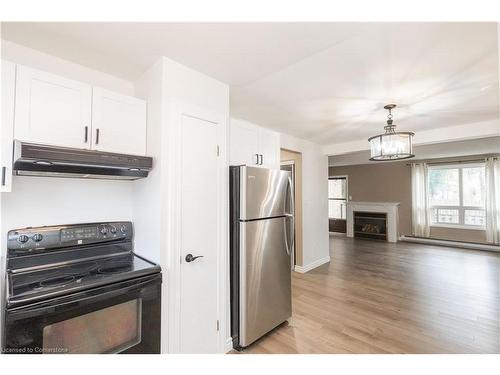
2, 278
189, 86
148, 194
165, 85
36, 201
168, 86
35, 59
314, 199
190, 92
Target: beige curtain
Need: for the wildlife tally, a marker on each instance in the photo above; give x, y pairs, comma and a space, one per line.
420, 208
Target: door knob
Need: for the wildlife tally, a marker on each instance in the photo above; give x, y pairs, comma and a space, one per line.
189, 258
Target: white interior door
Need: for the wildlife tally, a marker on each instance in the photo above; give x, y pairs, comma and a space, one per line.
199, 227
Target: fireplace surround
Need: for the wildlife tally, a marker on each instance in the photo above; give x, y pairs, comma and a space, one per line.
373, 213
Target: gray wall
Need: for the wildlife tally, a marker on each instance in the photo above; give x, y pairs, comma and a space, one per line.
380, 183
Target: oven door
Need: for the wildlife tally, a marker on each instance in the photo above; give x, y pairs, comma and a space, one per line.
118, 318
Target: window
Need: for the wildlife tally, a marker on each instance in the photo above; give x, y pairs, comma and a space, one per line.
337, 197
457, 195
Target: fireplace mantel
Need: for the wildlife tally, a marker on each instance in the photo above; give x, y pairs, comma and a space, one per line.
389, 208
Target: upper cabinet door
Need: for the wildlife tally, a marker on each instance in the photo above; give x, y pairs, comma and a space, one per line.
244, 143
118, 123
7, 124
270, 148
52, 110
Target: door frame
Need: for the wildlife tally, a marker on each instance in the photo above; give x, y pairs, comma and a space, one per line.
172, 236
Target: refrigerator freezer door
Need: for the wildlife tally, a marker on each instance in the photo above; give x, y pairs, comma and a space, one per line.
263, 192
265, 277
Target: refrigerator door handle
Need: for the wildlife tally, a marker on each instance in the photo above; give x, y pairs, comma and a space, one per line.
287, 247
290, 218
292, 198
289, 236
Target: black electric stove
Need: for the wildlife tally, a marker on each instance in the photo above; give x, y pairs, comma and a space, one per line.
82, 278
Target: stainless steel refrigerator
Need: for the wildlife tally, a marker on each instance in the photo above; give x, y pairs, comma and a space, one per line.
262, 241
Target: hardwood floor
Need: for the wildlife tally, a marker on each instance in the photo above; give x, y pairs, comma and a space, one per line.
377, 297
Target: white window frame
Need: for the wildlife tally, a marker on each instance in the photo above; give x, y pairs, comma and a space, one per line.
461, 208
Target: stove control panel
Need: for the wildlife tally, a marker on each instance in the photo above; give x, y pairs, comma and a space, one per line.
52, 237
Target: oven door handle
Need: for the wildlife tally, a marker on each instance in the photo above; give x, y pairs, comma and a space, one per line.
112, 293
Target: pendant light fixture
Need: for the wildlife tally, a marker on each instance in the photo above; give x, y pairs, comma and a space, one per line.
392, 145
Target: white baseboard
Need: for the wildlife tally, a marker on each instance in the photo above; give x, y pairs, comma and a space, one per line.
463, 245
229, 345
310, 266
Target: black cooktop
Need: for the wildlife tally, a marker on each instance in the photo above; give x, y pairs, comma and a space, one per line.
33, 285
50, 261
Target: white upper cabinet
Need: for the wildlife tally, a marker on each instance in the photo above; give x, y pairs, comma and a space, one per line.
57, 111
52, 110
253, 145
7, 125
269, 148
118, 123
244, 143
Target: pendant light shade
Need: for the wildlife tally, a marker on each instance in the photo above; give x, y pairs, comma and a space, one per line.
391, 145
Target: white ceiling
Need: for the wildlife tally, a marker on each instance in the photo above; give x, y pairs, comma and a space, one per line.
326, 82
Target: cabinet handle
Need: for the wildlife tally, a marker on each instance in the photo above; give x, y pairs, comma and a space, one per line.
261, 159
97, 136
4, 171
86, 134
257, 162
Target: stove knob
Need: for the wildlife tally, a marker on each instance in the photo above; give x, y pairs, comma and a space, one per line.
23, 238
123, 229
37, 237
104, 231
112, 229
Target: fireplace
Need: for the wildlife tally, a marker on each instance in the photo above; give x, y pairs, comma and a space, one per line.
383, 217
370, 225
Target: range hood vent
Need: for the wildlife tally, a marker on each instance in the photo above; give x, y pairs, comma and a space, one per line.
51, 161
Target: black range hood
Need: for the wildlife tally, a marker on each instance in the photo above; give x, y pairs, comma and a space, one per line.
52, 161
